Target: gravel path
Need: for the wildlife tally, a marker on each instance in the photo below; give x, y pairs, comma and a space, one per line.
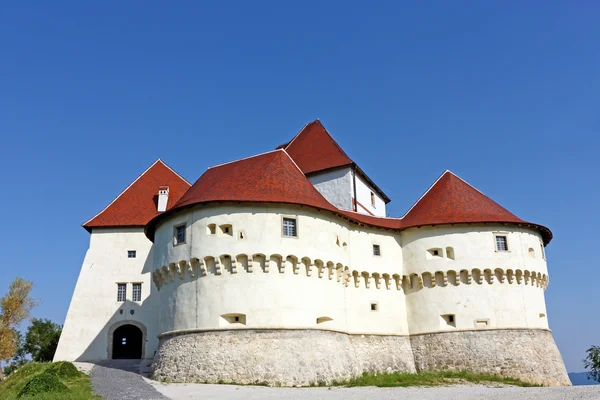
229, 392
117, 384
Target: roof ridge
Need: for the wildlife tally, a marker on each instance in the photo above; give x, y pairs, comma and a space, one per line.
125, 190
173, 171
427, 191
242, 159
298, 134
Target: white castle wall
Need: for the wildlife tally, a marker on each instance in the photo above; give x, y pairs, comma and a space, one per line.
94, 309
504, 287
330, 271
283, 297
363, 195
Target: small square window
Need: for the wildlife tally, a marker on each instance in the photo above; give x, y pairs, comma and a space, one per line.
436, 252
179, 234
136, 294
501, 243
376, 250
289, 227
131, 253
374, 306
121, 291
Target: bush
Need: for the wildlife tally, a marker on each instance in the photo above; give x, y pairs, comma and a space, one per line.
63, 370
44, 383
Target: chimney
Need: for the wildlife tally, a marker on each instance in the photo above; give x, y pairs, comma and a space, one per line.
163, 198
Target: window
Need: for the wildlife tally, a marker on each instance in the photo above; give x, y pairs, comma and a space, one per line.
211, 229
501, 243
289, 227
373, 199
448, 320
137, 292
179, 234
226, 230
543, 250
374, 306
121, 291
131, 253
376, 250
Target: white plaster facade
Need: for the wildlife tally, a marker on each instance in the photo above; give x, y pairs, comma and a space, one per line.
338, 187
94, 311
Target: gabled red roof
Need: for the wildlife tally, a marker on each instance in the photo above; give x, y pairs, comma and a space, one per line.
451, 200
270, 177
137, 204
313, 149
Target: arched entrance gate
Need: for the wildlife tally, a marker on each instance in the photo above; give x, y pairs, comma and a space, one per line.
126, 341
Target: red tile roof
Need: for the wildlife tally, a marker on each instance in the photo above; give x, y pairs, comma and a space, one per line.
451, 200
313, 149
274, 178
137, 204
270, 177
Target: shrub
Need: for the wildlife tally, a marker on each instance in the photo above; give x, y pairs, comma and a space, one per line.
63, 370
44, 383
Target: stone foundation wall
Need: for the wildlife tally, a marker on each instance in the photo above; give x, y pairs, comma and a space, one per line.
527, 354
278, 357
304, 357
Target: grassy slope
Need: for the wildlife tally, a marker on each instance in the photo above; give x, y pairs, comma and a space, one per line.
430, 379
79, 387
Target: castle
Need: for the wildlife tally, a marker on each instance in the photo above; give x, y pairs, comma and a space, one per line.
284, 268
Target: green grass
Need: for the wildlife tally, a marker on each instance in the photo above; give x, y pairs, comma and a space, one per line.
397, 379
78, 385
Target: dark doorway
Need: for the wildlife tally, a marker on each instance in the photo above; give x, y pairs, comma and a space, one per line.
127, 342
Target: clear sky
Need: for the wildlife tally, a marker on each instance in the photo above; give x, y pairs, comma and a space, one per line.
504, 95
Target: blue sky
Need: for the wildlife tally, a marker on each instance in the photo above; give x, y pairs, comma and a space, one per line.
504, 95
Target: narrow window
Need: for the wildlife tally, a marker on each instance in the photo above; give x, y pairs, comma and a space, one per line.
131, 253
137, 292
225, 230
448, 320
376, 250
501, 243
543, 250
211, 229
374, 306
121, 291
179, 234
373, 199
289, 227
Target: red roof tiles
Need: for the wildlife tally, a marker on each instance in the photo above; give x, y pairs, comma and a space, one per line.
137, 204
451, 200
274, 178
313, 149
271, 177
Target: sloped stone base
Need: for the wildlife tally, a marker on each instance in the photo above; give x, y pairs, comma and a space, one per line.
527, 354
278, 357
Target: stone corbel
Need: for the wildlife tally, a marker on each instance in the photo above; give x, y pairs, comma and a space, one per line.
182, 267
218, 266
234, 265
202, 268
250, 264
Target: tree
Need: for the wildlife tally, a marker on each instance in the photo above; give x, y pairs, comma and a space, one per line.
41, 339
19, 358
592, 363
15, 307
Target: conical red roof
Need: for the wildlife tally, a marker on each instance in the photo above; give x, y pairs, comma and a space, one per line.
271, 177
137, 204
313, 149
451, 200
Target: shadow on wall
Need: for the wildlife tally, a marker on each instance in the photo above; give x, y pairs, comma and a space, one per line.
125, 335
